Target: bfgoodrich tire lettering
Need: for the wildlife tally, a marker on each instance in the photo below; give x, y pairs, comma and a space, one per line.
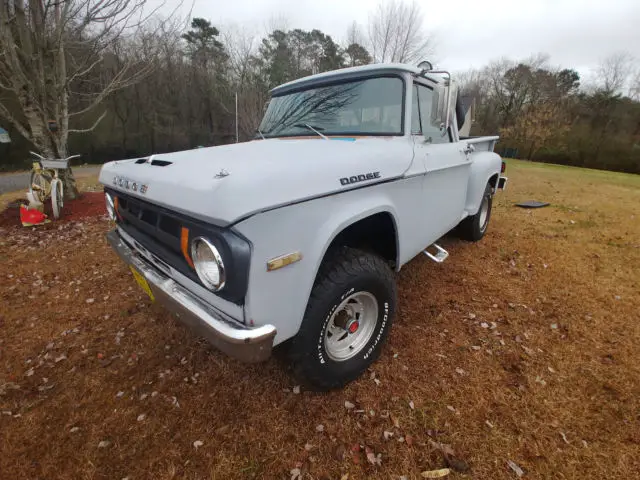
348, 274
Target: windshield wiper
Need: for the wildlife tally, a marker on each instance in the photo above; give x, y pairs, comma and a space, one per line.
313, 129
261, 134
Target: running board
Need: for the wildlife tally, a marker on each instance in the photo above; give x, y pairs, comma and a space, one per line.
440, 256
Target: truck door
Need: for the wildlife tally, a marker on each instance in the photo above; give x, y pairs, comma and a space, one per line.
447, 167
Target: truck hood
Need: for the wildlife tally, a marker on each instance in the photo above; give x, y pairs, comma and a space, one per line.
224, 184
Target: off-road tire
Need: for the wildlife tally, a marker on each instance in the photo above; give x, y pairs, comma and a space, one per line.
346, 271
474, 227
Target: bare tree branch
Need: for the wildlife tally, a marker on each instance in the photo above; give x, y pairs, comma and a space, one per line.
92, 127
613, 73
49, 48
396, 33
4, 112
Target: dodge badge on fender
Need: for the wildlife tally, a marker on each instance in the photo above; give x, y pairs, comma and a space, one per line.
359, 178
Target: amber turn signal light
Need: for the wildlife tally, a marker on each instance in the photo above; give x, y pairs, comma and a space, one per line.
184, 245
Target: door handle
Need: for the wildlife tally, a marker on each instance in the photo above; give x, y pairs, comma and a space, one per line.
469, 149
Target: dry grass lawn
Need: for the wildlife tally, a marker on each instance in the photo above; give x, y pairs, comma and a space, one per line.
524, 347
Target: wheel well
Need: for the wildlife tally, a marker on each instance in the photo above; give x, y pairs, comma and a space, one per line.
493, 181
376, 234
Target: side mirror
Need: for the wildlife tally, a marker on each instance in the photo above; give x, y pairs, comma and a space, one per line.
443, 107
439, 109
451, 106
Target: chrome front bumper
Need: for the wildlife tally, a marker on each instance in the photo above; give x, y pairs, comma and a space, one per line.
236, 340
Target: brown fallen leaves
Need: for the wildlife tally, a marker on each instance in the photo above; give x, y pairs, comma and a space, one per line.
443, 472
370, 455
372, 458
571, 402
515, 467
355, 453
450, 458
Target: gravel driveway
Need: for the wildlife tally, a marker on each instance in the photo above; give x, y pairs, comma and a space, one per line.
12, 182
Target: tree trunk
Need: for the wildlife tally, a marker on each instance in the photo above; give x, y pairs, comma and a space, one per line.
51, 146
61, 136
69, 184
531, 147
68, 179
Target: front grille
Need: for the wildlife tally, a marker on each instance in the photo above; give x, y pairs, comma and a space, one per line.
151, 220
157, 229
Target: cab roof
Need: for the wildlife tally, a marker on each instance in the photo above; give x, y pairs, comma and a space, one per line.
344, 74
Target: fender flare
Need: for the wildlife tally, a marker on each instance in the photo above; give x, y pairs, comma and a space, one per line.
485, 165
337, 225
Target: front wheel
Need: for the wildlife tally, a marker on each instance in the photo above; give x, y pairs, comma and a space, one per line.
474, 227
347, 320
57, 197
39, 186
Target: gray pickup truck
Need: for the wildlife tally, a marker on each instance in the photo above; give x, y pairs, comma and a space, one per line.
293, 238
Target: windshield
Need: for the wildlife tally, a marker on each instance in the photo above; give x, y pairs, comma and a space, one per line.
364, 107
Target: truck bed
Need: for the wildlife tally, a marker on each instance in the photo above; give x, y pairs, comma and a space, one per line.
481, 144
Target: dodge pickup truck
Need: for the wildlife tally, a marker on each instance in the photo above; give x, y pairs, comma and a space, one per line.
293, 238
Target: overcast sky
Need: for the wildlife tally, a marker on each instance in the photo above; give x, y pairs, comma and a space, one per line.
468, 33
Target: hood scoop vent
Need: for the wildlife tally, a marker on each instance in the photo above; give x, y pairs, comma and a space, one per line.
160, 163
154, 162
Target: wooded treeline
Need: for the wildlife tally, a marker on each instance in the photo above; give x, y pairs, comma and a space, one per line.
187, 96
175, 88
544, 114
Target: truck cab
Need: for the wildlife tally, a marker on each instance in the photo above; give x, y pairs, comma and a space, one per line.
293, 238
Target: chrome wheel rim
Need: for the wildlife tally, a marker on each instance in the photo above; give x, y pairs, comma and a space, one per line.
351, 326
484, 213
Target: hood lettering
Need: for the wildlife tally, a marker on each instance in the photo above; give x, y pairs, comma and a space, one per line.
129, 184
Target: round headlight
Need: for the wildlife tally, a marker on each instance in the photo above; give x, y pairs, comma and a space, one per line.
208, 263
111, 209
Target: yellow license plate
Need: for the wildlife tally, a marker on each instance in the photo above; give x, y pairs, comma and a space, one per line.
142, 282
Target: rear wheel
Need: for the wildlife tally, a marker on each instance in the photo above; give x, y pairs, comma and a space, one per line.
347, 320
57, 197
474, 227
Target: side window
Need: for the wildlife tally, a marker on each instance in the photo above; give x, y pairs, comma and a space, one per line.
429, 130
421, 118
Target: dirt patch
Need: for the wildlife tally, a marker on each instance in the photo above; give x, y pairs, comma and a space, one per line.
89, 205
522, 348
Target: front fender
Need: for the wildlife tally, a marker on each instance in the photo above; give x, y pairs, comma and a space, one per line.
484, 166
280, 297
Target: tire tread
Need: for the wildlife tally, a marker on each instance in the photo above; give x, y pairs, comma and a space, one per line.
341, 267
